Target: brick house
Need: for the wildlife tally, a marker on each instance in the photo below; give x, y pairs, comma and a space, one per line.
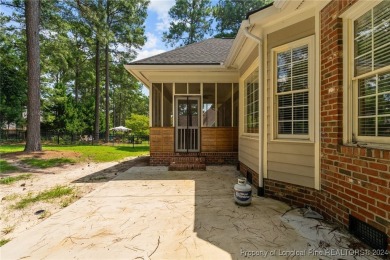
300, 99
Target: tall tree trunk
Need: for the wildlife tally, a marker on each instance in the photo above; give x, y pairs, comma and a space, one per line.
120, 109
113, 108
107, 95
191, 33
97, 91
76, 83
33, 142
107, 133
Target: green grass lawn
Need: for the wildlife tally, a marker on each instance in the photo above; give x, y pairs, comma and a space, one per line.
12, 179
96, 153
47, 163
56, 192
5, 166
11, 148
4, 241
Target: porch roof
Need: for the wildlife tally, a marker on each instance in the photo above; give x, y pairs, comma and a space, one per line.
208, 52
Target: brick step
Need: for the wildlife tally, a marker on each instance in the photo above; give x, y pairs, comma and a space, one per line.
187, 167
189, 160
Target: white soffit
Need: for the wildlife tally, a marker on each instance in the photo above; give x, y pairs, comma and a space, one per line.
291, 8
191, 76
148, 74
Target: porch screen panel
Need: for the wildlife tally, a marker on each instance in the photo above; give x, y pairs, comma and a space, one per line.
208, 109
168, 105
224, 104
156, 104
235, 104
181, 88
193, 88
182, 124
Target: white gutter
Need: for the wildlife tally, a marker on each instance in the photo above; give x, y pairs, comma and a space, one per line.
247, 24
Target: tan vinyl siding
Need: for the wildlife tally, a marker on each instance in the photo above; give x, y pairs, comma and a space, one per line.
291, 162
291, 178
248, 145
293, 169
305, 160
251, 58
249, 152
291, 148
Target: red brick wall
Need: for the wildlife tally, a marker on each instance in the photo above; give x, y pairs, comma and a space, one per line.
334, 201
245, 170
160, 159
164, 159
353, 180
291, 194
360, 177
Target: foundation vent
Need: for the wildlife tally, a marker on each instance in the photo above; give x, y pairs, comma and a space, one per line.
249, 177
368, 234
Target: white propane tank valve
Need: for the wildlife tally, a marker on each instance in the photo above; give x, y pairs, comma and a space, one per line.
242, 192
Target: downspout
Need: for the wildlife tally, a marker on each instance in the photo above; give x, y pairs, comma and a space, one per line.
247, 24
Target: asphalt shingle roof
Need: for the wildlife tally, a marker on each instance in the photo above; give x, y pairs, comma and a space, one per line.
208, 52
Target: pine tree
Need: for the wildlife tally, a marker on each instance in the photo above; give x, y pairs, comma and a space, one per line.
13, 70
191, 22
230, 13
33, 77
123, 27
68, 33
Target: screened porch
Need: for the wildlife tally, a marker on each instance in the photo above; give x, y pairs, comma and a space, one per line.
194, 117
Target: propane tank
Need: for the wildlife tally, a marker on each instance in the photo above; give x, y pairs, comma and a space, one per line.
242, 192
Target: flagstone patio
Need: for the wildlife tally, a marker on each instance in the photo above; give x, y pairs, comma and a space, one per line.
148, 212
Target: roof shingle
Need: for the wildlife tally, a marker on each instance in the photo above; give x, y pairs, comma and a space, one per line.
207, 52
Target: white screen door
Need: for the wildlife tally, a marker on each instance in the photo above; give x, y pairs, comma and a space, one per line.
187, 124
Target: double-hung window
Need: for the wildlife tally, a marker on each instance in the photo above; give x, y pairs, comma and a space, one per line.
370, 79
251, 102
292, 70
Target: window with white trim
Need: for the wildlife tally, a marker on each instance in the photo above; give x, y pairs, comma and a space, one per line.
371, 74
251, 103
292, 79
